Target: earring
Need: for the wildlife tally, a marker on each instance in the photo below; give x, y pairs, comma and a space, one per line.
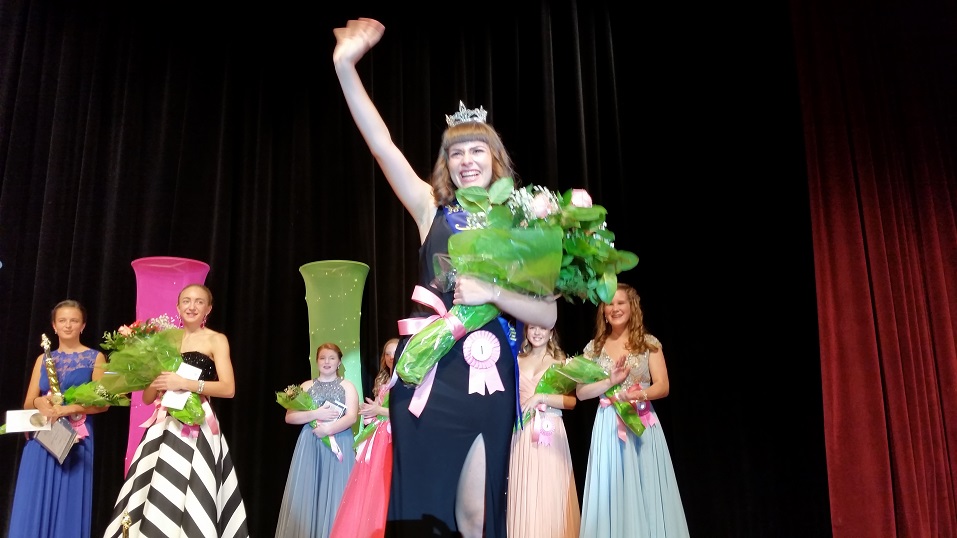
203, 324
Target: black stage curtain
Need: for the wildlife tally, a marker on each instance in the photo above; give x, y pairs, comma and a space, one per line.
218, 132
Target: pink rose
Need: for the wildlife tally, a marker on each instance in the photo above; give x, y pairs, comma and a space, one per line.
541, 205
125, 331
580, 198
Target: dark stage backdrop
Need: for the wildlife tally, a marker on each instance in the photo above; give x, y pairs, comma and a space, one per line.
219, 133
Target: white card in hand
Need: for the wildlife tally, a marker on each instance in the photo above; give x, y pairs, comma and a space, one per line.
176, 399
23, 421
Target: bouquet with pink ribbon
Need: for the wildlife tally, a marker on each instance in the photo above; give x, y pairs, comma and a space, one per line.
564, 378
528, 240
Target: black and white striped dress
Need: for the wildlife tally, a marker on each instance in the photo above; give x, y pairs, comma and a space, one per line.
182, 481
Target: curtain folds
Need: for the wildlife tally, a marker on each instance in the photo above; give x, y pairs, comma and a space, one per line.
877, 89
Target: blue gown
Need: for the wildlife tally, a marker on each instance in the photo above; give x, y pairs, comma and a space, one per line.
317, 478
54, 500
630, 486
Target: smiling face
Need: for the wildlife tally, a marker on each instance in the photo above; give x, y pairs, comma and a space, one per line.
470, 164
537, 336
194, 305
68, 322
328, 362
618, 312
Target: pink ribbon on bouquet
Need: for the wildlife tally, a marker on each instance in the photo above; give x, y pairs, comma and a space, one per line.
425, 297
542, 427
409, 326
644, 410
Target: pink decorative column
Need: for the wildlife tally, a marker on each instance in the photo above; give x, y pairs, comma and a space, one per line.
159, 279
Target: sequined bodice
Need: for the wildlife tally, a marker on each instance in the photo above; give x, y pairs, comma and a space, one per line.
637, 363
321, 391
203, 362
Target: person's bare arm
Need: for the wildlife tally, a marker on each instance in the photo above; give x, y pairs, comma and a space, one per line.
352, 42
541, 311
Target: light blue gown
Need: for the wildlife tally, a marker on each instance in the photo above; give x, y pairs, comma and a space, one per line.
630, 487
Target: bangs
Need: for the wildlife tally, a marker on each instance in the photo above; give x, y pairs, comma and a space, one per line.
468, 132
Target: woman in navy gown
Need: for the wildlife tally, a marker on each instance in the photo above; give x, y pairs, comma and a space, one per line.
450, 453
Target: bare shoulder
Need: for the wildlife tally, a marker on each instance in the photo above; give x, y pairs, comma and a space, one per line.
653, 342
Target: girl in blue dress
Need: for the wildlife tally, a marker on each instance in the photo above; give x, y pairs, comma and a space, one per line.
54, 499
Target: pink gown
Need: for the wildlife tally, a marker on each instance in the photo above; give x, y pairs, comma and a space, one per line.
365, 502
542, 497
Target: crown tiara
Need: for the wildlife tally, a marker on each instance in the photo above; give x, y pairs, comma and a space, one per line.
465, 115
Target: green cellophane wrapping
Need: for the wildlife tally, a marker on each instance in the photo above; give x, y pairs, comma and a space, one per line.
564, 378
367, 430
427, 346
526, 260
296, 399
140, 360
94, 394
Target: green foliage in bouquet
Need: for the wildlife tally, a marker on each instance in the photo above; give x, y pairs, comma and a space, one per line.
139, 352
589, 262
564, 378
296, 399
530, 241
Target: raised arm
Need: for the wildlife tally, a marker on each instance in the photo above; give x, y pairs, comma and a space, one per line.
352, 42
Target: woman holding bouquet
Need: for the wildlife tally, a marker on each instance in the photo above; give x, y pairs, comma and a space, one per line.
365, 501
182, 481
629, 477
323, 458
450, 456
54, 499
542, 496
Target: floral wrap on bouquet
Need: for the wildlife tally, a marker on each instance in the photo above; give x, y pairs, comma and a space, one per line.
294, 398
529, 241
564, 378
139, 352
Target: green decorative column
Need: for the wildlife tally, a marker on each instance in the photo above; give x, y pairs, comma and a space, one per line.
334, 300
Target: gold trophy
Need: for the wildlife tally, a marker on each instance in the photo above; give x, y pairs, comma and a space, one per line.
61, 436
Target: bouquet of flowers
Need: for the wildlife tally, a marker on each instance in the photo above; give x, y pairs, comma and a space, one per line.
564, 378
527, 240
139, 352
296, 399
367, 430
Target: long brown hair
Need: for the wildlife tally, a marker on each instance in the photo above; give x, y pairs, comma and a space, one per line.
443, 189
385, 373
636, 325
